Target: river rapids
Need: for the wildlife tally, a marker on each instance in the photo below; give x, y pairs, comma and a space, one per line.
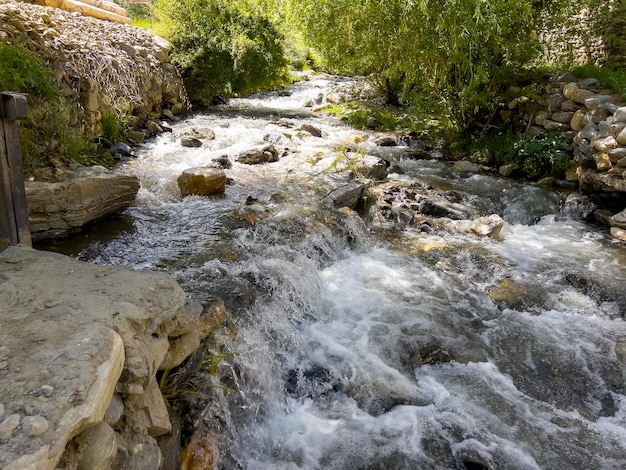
352, 344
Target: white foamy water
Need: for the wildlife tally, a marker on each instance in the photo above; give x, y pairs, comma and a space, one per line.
365, 350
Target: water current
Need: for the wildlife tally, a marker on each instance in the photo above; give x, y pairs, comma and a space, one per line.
353, 345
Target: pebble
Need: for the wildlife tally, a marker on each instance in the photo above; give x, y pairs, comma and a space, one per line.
1, 410
47, 390
8, 425
34, 426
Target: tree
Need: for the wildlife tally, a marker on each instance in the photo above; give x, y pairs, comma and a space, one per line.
455, 49
221, 46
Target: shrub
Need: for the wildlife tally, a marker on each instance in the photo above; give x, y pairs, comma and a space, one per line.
222, 47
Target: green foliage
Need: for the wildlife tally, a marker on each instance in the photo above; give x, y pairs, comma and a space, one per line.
460, 51
537, 156
112, 127
222, 47
24, 71
543, 155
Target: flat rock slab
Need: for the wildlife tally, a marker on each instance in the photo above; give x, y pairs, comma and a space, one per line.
64, 329
92, 193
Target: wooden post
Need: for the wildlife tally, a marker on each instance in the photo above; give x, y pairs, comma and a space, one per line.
13, 210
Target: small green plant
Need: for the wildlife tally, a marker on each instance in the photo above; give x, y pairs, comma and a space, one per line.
112, 127
544, 155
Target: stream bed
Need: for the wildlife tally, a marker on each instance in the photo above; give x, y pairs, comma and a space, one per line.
357, 344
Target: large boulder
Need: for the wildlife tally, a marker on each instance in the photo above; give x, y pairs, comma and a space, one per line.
87, 195
66, 346
202, 181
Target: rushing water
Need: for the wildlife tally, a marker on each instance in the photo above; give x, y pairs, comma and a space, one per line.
357, 347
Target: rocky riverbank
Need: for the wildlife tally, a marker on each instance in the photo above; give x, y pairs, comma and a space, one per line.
102, 68
80, 349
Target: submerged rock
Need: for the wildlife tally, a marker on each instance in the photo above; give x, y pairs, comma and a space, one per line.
266, 154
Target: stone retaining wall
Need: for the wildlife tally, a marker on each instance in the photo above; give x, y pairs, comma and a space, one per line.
101, 67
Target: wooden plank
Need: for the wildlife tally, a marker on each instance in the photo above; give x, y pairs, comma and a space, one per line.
13, 106
8, 228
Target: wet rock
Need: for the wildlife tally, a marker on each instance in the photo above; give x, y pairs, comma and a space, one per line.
465, 166
490, 226
618, 233
154, 127
171, 445
203, 181
222, 162
190, 142
311, 129
372, 167
388, 140
121, 148
266, 154
348, 195
201, 452
618, 220
577, 207
509, 169
508, 293
439, 207
372, 123
135, 136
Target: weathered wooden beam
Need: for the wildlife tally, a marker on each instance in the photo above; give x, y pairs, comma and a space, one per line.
13, 209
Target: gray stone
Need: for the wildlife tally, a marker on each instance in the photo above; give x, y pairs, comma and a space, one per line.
605, 129
591, 132
618, 220
598, 101
565, 76
8, 425
440, 207
508, 169
190, 142
180, 349
597, 115
570, 106
550, 125
34, 426
2, 411
465, 166
100, 444
347, 195
388, 140
617, 154
621, 137
563, 117
372, 167
202, 181
311, 129
554, 102
114, 411
589, 84
611, 108
257, 156
621, 163
89, 194
619, 115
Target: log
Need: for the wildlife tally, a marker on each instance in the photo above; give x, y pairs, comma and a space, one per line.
88, 10
106, 5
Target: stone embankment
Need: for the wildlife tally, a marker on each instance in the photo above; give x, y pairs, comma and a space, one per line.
595, 122
101, 67
80, 348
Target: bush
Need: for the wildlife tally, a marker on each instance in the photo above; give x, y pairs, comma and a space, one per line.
222, 47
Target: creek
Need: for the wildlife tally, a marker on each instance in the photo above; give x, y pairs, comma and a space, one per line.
352, 344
